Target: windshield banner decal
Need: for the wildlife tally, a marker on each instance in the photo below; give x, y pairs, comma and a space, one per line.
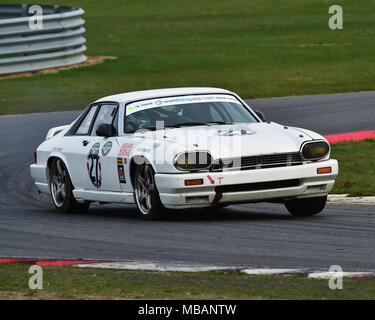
162, 102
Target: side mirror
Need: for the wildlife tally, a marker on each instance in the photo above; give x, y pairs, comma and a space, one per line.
105, 130
261, 115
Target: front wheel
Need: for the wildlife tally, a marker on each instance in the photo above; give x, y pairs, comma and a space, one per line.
306, 207
61, 189
146, 195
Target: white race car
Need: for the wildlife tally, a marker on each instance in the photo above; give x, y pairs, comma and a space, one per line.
182, 148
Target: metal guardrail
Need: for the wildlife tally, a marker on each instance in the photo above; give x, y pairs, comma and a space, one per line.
59, 43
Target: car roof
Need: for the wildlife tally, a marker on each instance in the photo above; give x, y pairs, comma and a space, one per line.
158, 93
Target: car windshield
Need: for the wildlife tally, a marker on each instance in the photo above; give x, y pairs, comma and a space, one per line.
185, 111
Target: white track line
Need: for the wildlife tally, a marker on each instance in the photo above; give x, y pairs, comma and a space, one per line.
150, 266
329, 275
180, 267
345, 199
267, 272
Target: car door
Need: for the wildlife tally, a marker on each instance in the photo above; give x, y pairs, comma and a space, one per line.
101, 154
91, 158
76, 143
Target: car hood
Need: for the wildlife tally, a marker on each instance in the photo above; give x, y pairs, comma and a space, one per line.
227, 141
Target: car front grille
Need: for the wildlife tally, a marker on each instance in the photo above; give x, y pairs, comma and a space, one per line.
258, 162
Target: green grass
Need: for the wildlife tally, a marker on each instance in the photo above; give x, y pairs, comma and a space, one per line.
257, 48
77, 283
356, 167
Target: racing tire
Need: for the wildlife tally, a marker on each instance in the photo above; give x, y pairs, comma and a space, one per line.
61, 189
146, 194
306, 207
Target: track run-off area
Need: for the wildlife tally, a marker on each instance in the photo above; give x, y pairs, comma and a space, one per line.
249, 235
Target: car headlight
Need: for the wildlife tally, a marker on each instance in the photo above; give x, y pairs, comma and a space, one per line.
315, 150
193, 161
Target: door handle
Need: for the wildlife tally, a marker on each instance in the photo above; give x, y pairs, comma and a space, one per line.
85, 142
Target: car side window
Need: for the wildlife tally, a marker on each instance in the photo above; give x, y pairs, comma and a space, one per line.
84, 127
105, 115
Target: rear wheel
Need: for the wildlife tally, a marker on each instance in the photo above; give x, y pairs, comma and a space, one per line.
146, 195
61, 189
306, 207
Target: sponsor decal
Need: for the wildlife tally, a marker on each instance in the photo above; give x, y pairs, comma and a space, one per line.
106, 148
120, 169
153, 103
122, 161
219, 179
121, 173
94, 166
235, 132
125, 149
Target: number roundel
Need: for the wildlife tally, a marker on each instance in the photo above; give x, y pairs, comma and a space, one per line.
94, 165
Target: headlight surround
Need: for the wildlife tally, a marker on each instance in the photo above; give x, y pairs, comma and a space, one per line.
193, 161
315, 150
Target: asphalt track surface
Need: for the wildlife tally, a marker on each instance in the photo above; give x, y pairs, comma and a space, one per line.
251, 235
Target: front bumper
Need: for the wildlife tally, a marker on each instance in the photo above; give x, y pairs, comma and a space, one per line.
216, 187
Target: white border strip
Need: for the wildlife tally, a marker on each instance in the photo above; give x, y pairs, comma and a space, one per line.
151, 266
345, 199
330, 275
269, 272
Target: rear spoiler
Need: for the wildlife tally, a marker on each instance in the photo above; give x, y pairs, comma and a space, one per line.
54, 131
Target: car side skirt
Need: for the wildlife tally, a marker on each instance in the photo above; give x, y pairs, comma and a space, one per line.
104, 196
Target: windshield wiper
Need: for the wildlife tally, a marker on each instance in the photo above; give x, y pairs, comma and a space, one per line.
140, 129
179, 125
190, 124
